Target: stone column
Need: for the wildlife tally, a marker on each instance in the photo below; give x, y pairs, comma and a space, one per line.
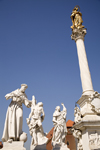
87, 119
78, 35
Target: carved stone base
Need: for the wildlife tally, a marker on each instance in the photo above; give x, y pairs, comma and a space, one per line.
42, 141
59, 147
17, 145
90, 134
87, 129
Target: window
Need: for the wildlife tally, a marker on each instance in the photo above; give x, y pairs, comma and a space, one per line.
67, 143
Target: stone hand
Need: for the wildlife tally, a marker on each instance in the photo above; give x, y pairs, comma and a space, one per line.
62, 104
7, 96
27, 120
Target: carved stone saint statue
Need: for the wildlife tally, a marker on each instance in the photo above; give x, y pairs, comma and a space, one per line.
77, 114
34, 122
14, 117
60, 129
78, 135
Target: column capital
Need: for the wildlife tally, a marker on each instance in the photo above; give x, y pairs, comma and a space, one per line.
78, 34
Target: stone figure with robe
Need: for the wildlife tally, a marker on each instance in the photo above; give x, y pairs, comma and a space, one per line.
14, 117
76, 17
77, 114
34, 122
60, 129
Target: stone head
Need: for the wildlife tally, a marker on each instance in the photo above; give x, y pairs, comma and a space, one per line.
40, 104
23, 87
58, 108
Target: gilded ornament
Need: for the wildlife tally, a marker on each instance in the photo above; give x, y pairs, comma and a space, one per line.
76, 17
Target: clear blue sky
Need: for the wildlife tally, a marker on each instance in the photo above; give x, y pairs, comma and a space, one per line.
36, 49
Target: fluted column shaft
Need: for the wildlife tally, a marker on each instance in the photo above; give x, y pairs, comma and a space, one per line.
78, 36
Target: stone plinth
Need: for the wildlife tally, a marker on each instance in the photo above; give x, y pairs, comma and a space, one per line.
17, 145
90, 134
88, 129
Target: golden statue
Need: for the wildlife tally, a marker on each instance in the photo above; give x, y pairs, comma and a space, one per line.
76, 17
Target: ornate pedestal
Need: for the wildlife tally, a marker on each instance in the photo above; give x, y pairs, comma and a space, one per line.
13, 146
87, 130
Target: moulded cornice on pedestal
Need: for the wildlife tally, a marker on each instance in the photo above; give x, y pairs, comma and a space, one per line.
87, 124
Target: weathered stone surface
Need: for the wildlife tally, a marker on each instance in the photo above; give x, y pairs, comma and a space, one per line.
34, 122
14, 146
60, 130
14, 117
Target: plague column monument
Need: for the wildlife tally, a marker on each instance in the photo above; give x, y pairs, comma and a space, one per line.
87, 118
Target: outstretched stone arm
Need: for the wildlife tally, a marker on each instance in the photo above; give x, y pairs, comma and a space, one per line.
64, 111
10, 95
25, 100
15, 93
64, 108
